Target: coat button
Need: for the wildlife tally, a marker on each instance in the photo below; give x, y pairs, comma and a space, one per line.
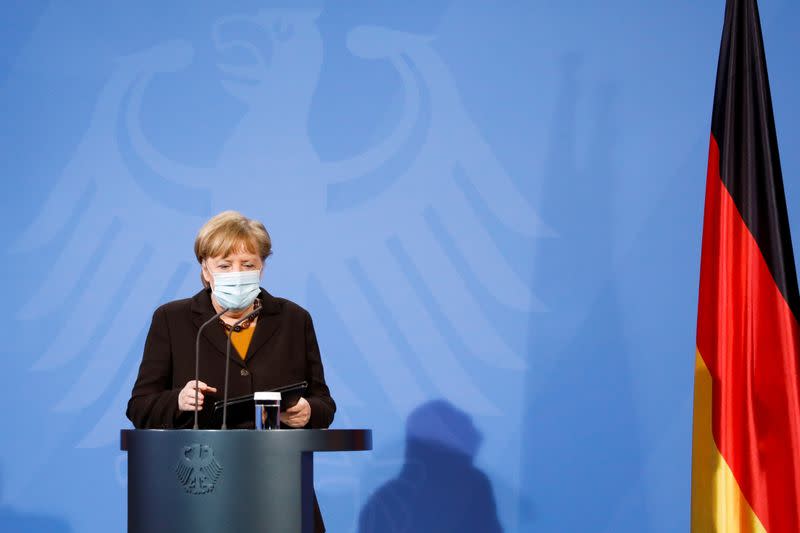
244, 372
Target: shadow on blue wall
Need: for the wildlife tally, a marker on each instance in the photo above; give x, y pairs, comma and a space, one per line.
583, 447
438, 487
15, 521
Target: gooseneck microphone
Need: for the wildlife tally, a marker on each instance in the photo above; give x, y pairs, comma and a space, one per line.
197, 360
236, 325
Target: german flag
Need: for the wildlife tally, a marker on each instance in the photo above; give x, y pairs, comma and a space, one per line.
746, 436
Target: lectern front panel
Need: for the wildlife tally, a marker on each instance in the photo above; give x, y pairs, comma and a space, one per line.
195, 481
236, 481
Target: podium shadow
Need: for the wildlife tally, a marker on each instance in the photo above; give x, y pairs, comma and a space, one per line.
438, 487
14, 521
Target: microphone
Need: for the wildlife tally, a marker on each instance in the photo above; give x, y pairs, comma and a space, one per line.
197, 360
246, 317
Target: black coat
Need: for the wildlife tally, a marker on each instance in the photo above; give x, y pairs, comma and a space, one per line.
283, 351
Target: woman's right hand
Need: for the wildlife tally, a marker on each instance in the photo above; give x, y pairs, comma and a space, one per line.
186, 396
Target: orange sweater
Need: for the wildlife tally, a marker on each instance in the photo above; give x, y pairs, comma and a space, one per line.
241, 339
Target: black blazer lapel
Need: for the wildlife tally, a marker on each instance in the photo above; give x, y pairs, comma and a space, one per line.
203, 310
268, 323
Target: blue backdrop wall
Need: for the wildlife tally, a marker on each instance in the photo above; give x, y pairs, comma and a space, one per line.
492, 210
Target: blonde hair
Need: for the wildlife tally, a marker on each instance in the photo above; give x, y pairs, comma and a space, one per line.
230, 232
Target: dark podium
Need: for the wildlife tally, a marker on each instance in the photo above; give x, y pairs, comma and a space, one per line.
236, 481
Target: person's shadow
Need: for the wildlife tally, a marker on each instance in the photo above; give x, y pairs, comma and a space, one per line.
438, 489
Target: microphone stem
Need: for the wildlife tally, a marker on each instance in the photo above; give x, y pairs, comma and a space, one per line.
248, 316
197, 362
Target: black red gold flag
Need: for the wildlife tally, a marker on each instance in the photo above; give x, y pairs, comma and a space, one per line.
746, 435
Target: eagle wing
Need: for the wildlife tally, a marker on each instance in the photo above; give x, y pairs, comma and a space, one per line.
109, 271
422, 282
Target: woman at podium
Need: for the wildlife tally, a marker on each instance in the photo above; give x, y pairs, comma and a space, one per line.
274, 348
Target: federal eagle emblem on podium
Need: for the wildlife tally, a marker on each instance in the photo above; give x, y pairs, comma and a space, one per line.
197, 469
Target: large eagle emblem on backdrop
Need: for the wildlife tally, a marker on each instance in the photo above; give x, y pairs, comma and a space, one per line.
397, 238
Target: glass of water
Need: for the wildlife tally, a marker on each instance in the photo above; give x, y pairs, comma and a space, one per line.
268, 410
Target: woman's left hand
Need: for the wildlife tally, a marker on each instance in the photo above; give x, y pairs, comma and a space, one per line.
298, 415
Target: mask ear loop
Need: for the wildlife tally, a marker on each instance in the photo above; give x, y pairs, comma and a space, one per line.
204, 270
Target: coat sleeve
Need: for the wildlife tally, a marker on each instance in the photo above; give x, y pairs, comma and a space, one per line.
154, 403
318, 395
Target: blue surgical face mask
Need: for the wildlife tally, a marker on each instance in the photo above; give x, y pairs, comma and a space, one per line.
236, 290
